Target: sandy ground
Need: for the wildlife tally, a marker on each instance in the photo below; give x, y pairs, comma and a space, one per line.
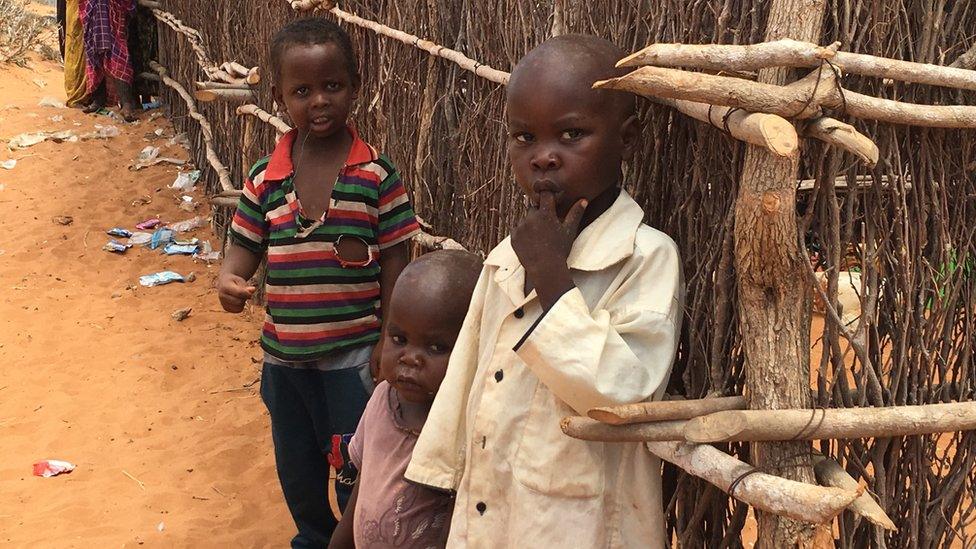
172, 449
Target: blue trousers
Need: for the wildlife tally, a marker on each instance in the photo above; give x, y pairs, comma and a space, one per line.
314, 414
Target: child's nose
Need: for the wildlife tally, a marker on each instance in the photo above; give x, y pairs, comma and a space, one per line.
545, 161
320, 99
411, 357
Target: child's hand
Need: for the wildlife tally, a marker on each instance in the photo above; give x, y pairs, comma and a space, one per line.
542, 243
233, 292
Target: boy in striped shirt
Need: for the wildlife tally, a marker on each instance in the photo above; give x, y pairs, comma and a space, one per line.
332, 218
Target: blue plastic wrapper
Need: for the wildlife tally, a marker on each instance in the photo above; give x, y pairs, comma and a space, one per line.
160, 238
116, 247
119, 232
180, 249
158, 279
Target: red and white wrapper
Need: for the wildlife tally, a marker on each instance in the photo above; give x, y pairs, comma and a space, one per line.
52, 467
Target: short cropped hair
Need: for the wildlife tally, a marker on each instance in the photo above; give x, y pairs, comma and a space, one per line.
311, 31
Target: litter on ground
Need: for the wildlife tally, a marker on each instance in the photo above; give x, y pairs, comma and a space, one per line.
119, 232
160, 278
188, 225
52, 467
186, 181
148, 224
50, 102
140, 238
115, 246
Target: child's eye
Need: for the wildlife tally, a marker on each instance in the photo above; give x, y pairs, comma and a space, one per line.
437, 348
523, 137
398, 339
301, 92
572, 134
333, 86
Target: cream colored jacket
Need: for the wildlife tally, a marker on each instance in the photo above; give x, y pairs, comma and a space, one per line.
493, 434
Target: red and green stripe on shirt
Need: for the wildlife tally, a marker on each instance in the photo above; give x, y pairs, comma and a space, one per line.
315, 305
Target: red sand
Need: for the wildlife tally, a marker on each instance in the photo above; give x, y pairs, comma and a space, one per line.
96, 372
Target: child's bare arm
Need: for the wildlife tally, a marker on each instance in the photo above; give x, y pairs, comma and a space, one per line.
342, 536
238, 267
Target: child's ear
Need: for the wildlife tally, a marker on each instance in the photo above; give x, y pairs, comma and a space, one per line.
629, 133
357, 86
276, 95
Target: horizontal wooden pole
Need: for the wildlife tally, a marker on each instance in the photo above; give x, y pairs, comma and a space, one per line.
834, 423
224, 201
665, 410
585, 428
210, 85
793, 53
458, 58
801, 99
774, 133
797, 500
232, 95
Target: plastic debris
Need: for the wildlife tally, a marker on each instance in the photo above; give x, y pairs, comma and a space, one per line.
160, 527
151, 105
180, 315
180, 249
52, 467
25, 140
50, 102
207, 253
102, 132
160, 278
63, 220
148, 153
180, 139
111, 114
8, 164
116, 247
186, 181
160, 238
56, 118
140, 238
119, 232
188, 225
148, 224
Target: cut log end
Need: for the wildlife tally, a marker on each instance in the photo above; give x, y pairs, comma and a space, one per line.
253, 76
779, 134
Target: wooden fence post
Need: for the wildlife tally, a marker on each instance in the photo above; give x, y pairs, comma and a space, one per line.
774, 309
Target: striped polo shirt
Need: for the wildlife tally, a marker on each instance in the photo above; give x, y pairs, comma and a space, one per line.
315, 305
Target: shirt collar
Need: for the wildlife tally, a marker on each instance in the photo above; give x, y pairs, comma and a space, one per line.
280, 164
604, 242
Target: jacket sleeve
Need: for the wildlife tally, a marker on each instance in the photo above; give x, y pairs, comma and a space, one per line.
438, 456
621, 352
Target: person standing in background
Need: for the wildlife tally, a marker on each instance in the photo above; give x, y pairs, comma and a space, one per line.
108, 70
73, 53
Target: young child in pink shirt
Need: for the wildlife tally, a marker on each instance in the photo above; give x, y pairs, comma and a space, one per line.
427, 309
